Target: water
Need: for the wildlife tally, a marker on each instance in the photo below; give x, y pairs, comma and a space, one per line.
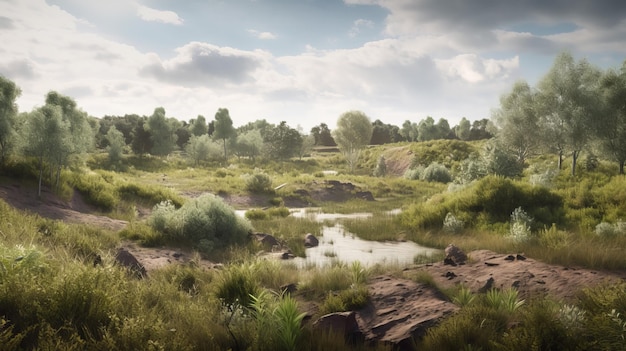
337, 244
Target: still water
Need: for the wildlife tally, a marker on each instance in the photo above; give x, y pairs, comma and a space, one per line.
337, 244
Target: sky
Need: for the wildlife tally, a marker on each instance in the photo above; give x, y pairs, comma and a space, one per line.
301, 61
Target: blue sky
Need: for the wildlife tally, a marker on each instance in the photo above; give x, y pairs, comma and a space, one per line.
300, 61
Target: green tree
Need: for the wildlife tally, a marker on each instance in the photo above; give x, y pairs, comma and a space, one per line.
610, 125
162, 132
198, 148
282, 142
323, 135
9, 92
116, 145
427, 130
79, 140
353, 133
199, 126
569, 101
43, 134
409, 131
142, 138
443, 129
462, 131
308, 142
224, 129
249, 144
517, 122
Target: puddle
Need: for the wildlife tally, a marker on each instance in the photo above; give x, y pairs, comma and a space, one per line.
337, 244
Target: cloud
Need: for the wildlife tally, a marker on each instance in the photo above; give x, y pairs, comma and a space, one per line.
262, 35
19, 69
153, 15
357, 25
474, 69
6, 23
205, 65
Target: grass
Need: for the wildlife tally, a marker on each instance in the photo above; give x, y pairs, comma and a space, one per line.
52, 297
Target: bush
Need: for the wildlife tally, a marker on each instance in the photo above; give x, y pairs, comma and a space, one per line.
520, 225
605, 229
258, 183
381, 167
414, 173
206, 222
451, 224
436, 172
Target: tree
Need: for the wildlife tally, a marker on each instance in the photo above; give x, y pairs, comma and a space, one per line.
569, 100
443, 129
282, 142
81, 136
249, 144
409, 131
517, 122
323, 135
610, 125
427, 130
308, 141
162, 132
183, 133
353, 133
199, 126
199, 148
481, 129
9, 92
142, 138
224, 129
462, 131
43, 134
116, 145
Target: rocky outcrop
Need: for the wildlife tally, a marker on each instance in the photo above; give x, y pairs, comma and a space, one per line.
341, 323
128, 260
400, 311
310, 240
268, 241
454, 256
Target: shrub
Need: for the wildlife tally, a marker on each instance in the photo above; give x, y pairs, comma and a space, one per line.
520, 225
436, 172
605, 229
205, 221
346, 300
414, 173
258, 183
256, 214
452, 225
236, 286
381, 167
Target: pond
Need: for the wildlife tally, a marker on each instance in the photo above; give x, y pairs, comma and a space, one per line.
337, 244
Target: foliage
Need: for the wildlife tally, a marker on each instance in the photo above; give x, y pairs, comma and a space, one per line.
487, 201
381, 167
116, 145
452, 225
224, 129
349, 299
352, 135
162, 132
205, 222
521, 223
282, 142
436, 172
259, 182
9, 92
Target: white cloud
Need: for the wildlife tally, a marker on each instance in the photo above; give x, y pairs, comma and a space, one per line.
149, 14
262, 35
358, 24
474, 69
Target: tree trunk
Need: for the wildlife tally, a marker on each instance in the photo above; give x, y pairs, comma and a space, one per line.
621, 167
560, 165
574, 159
40, 176
225, 156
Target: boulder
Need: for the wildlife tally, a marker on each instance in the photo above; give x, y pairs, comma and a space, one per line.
454, 255
268, 241
124, 258
365, 195
310, 240
341, 323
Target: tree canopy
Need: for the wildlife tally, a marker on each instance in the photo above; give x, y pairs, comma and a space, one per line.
352, 135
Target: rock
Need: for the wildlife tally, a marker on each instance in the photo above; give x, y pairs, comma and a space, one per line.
450, 275
310, 240
520, 257
128, 260
268, 241
450, 262
400, 312
287, 255
488, 285
365, 195
342, 323
509, 258
455, 254
491, 264
289, 288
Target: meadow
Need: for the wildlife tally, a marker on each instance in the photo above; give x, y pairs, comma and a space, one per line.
52, 296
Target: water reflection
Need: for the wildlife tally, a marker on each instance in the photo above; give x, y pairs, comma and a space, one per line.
337, 243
